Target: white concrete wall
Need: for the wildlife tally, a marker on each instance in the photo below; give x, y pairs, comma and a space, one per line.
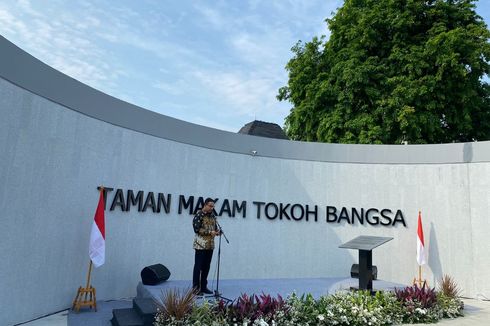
53, 157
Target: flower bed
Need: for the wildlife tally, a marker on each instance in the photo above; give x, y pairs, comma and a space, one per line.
408, 305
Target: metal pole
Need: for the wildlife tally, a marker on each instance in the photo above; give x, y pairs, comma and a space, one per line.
219, 258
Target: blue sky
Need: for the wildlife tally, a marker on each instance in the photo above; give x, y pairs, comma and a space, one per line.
215, 63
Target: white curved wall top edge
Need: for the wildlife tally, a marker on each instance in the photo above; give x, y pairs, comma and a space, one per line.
23, 70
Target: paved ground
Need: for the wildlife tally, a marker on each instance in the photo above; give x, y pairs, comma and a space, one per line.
477, 313
58, 319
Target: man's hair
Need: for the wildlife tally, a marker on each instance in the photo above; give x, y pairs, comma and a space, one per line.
208, 200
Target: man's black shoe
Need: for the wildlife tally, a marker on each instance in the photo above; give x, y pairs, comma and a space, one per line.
207, 291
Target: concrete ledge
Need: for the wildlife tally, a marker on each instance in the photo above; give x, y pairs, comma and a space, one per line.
23, 70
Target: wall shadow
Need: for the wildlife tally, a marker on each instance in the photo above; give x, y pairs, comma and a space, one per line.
467, 152
434, 261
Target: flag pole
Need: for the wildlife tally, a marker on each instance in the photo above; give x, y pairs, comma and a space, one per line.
420, 275
420, 268
89, 272
420, 252
86, 295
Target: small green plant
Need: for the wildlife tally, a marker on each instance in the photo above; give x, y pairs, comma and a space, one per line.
361, 308
206, 314
449, 307
300, 310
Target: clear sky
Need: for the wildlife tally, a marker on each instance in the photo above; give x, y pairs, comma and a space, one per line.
215, 63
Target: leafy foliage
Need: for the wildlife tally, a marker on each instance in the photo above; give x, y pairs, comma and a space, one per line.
207, 314
450, 307
393, 71
409, 305
359, 308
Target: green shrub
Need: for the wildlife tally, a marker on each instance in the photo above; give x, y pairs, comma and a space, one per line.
450, 307
360, 308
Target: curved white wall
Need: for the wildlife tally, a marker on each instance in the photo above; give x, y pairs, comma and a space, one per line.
59, 139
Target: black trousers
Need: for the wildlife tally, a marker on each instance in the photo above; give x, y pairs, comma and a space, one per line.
202, 263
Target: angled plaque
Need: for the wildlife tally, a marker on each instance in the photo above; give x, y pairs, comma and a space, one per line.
365, 242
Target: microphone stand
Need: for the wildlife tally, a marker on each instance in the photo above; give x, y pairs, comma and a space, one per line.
216, 294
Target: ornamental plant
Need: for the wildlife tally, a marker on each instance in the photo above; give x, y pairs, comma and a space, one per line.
253, 308
418, 304
424, 295
175, 307
449, 287
448, 298
408, 305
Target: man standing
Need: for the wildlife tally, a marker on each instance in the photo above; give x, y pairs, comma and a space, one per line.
205, 228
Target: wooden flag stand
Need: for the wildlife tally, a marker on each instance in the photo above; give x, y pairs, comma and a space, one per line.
85, 296
420, 282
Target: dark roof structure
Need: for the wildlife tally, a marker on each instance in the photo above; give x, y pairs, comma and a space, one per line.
263, 129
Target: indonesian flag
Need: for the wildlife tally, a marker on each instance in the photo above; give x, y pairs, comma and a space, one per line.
96, 248
420, 243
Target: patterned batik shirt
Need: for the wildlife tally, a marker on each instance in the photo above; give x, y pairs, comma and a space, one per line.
204, 224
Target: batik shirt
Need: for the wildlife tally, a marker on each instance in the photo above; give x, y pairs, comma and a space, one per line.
204, 224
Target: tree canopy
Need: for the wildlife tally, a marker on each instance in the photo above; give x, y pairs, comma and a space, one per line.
393, 71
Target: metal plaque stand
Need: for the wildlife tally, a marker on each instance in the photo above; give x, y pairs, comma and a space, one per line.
365, 245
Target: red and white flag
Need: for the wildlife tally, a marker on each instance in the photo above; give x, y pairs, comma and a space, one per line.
421, 260
96, 248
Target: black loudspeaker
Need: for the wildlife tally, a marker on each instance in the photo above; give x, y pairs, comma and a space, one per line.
354, 271
154, 274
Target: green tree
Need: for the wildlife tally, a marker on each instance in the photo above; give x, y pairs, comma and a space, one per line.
393, 71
